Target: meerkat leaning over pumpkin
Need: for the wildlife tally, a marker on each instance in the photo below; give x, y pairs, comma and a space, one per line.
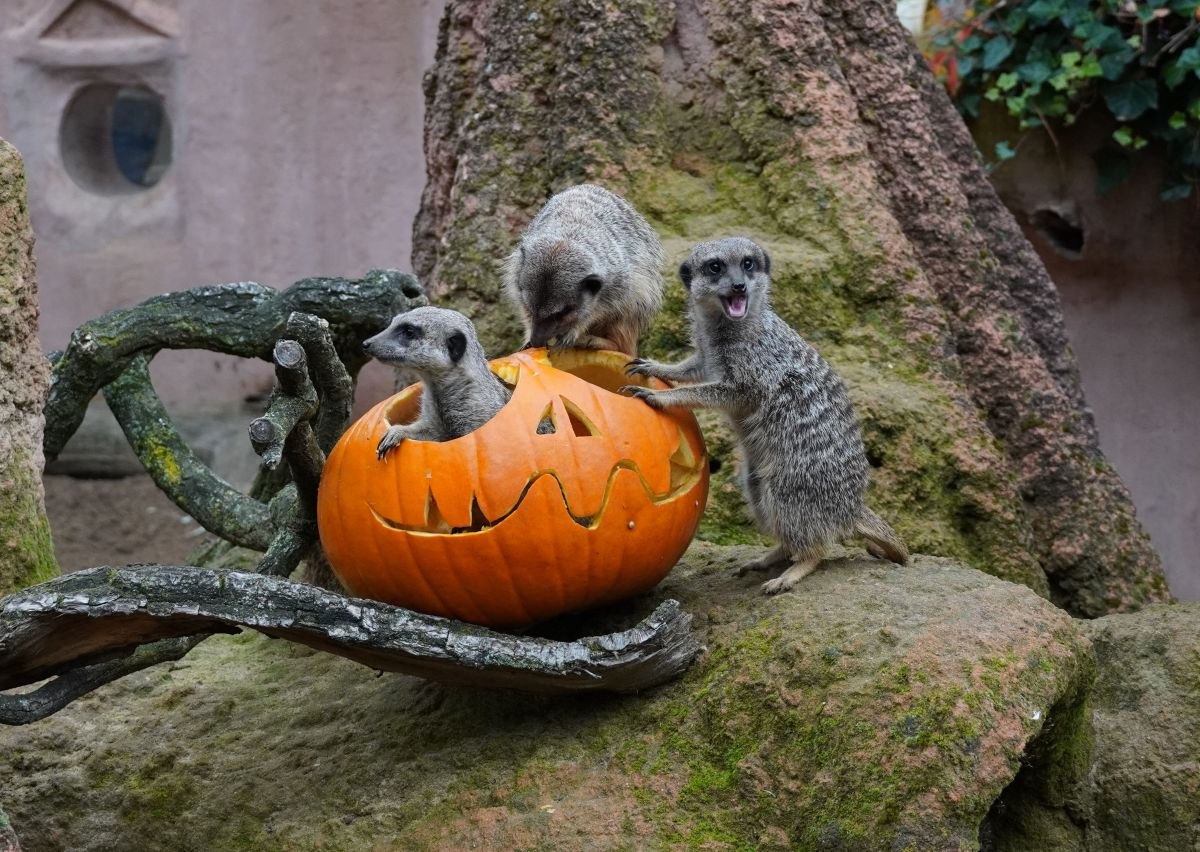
587, 272
459, 393
804, 468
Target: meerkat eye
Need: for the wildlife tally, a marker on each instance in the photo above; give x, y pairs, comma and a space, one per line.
408, 331
714, 267
591, 285
748, 264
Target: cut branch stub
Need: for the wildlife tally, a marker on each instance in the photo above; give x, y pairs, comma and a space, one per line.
164, 609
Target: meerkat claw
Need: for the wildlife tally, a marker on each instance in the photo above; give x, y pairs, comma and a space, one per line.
776, 586
390, 440
638, 367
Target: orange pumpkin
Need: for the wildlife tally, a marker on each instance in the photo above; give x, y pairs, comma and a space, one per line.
571, 496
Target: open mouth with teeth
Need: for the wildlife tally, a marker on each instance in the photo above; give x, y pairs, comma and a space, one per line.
734, 305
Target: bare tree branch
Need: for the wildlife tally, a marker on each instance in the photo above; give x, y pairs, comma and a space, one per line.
108, 612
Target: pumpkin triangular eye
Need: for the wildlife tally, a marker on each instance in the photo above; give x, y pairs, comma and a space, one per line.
683, 463
546, 423
580, 424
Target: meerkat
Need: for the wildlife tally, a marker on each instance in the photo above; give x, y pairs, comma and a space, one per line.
804, 470
587, 272
459, 392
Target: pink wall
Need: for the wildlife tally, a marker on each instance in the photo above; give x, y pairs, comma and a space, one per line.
297, 151
1132, 303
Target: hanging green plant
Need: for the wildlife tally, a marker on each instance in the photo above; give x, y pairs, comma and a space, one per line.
1048, 61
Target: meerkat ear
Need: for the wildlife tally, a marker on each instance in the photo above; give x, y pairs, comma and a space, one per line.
456, 345
766, 261
685, 274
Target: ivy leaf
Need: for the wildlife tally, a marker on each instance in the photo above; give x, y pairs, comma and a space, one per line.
1091, 67
1044, 11
1035, 73
970, 105
1177, 121
1004, 151
1176, 191
1006, 81
997, 50
1129, 99
1113, 64
1112, 169
1070, 59
1194, 109
1124, 136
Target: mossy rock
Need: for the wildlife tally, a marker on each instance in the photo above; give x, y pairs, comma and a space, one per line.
877, 708
1142, 788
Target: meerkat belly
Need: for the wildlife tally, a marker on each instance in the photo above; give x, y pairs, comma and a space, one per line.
809, 460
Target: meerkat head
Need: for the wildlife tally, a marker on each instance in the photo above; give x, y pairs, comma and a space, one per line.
730, 277
429, 341
561, 287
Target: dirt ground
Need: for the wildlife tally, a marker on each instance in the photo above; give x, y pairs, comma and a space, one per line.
116, 522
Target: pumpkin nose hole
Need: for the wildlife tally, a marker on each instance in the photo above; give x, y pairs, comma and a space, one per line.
546, 423
580, 424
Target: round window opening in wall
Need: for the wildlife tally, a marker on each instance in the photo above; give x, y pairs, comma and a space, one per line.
115, 139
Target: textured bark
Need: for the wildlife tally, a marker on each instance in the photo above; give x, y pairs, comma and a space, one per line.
813, 126
27, 556
121, 620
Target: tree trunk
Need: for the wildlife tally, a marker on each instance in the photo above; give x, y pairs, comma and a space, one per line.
26, 555
815, 127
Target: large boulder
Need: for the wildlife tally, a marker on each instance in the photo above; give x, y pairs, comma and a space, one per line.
876, 708
1142, 788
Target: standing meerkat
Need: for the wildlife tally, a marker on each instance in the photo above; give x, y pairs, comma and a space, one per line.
587, 272
804, 470
460, 393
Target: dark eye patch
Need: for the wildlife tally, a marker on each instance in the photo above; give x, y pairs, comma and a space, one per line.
408, 331
714, 267
748, 264
591, 284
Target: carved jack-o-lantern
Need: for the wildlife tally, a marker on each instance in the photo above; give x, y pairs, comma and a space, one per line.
571, 496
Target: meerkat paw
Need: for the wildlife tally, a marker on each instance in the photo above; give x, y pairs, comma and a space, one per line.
788, 580
646, 395
640, 367
773, 557
390, 440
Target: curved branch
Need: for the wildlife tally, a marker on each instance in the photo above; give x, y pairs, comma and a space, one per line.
242, 319
108, 611
53, 696
192, 486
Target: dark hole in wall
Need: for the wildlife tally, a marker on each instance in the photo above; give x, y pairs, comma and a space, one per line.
115, 138
1061, 229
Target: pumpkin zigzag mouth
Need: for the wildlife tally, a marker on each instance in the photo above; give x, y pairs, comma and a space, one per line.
682, 481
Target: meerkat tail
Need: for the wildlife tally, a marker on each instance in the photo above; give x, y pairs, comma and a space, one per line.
877, 532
